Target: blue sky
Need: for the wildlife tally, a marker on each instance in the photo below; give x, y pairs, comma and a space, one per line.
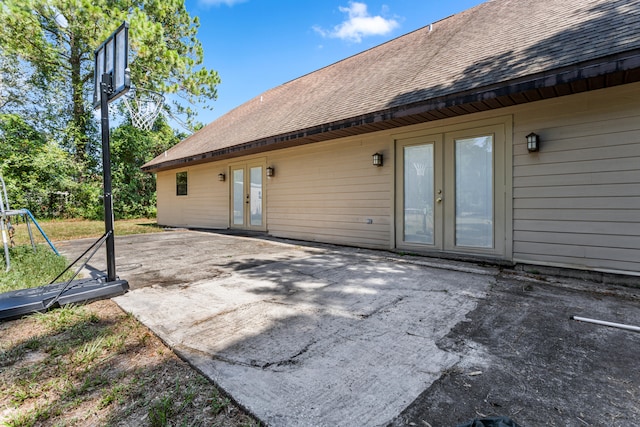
259, 44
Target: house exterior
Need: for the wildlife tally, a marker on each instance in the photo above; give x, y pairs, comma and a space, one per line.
449, 108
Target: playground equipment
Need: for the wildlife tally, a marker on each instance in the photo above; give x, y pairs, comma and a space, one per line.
7, 229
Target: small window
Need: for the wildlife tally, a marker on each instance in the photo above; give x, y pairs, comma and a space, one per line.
181, 184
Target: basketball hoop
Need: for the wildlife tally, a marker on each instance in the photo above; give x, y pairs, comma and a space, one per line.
144, 107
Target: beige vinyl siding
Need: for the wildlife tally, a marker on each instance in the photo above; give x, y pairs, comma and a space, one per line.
324, 192
577, 201
328, 191
206, 204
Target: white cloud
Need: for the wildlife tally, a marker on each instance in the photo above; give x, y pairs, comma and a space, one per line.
220, 2
359, 24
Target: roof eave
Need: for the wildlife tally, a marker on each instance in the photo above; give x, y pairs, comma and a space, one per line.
595, 74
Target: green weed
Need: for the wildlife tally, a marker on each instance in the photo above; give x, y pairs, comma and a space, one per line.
218, 403
27, 419
161, 412
89, 352
116, 394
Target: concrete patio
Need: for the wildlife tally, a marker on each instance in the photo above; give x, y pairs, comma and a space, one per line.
319, 335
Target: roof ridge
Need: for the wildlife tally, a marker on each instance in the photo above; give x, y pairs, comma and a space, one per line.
429, 26
446, 41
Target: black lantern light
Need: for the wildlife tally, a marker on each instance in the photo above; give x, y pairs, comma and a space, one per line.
270, 171
377, 159
221, 177
533, 142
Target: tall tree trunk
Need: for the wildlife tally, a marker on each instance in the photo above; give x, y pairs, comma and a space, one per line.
79, 116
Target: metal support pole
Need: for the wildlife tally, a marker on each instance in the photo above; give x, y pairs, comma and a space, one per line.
105, 91
26, 221
33, 220
3, 218
4, 232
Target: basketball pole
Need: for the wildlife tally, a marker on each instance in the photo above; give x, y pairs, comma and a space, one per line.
106, 89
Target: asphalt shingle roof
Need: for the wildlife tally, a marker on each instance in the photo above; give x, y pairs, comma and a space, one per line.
497, 41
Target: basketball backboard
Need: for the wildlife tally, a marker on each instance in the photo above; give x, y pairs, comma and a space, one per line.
112, 57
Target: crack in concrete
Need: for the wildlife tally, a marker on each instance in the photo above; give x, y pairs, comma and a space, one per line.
380, 309
291, 361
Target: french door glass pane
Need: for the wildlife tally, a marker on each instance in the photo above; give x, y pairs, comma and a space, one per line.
418, 194
474, 192
238, 197
256, 195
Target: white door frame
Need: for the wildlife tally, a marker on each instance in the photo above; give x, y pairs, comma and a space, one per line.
444, 219
252, 214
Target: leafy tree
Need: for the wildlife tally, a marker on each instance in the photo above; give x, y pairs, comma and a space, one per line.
37, 172
56, 40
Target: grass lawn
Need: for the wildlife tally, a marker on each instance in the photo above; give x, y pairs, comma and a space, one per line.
72, 229
94, 364
31, 269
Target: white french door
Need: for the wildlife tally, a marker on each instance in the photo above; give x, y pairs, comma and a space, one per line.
450, 192
419, 192
247, 196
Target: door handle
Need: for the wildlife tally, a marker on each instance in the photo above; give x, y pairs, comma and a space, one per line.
439, 200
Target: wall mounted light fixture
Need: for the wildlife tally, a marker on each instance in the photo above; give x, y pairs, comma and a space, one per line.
221, 177
270, 171
533, 142
377, 159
